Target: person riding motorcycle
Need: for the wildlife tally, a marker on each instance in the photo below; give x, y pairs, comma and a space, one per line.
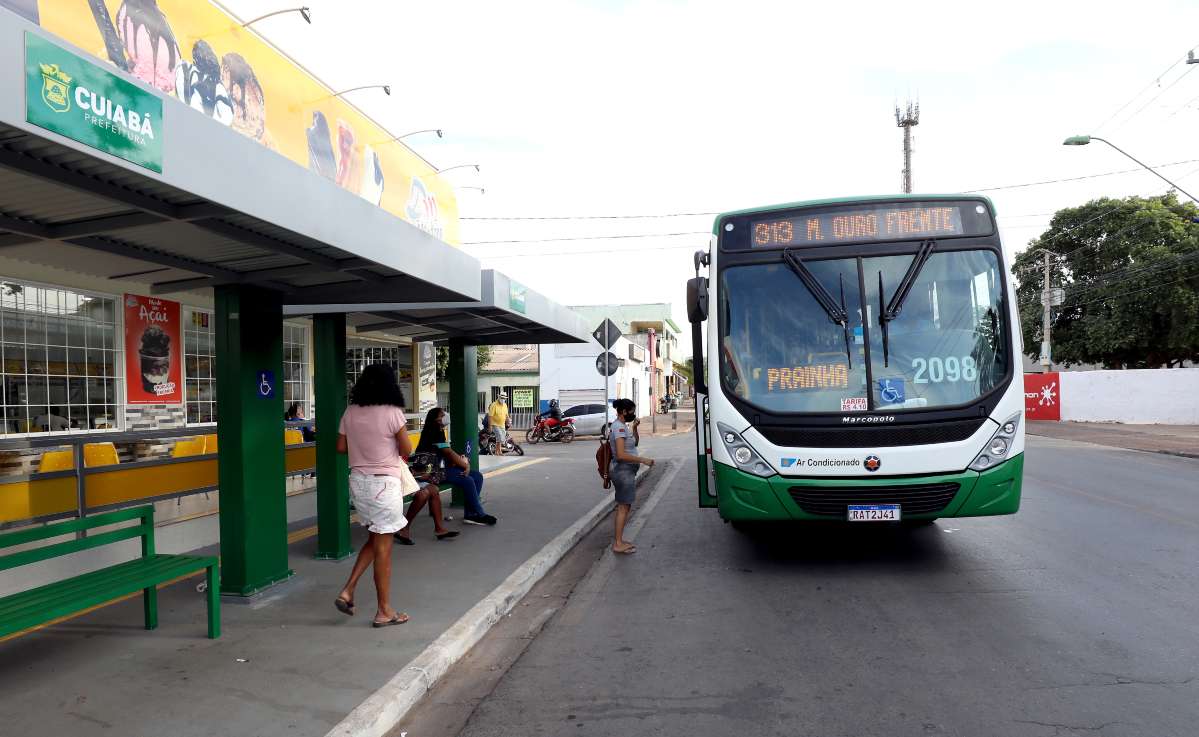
552, 416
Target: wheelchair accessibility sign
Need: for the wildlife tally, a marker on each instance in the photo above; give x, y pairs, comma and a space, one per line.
265, 384
891, 391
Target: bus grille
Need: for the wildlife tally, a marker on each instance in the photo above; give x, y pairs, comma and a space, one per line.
871, 436
832, 501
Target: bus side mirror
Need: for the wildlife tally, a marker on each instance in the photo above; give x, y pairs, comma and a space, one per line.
697, 299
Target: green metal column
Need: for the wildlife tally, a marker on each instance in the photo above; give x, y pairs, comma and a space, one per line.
249, 384
464, 404
332, 468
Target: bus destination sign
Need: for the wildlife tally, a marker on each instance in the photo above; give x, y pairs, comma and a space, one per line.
859, 225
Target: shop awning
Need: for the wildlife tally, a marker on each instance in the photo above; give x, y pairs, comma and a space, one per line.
507, 313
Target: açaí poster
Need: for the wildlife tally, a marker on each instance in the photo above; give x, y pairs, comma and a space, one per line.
153, 352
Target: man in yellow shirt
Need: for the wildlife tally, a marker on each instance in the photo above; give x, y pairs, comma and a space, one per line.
497, 415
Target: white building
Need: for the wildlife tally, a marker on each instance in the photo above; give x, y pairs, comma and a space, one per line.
569, 374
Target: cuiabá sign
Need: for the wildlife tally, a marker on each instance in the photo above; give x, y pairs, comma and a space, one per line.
75, 98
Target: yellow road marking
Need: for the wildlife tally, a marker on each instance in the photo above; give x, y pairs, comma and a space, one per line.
292, 538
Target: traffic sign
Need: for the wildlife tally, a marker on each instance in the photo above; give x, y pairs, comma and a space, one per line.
606, 334
606, 363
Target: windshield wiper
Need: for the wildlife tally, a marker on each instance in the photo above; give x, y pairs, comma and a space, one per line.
836, 312
895, 306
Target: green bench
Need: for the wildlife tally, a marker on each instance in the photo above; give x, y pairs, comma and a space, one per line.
43, 604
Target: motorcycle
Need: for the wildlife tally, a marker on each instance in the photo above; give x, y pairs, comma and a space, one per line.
551, 430
487, 443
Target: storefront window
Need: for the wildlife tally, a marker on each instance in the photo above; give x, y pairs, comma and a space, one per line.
59, 370
199, 363
358, 358
295, 368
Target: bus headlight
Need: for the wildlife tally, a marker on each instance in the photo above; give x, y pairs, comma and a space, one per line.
744, 456
997, 449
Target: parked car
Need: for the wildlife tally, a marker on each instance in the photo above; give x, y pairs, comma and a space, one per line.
589, 418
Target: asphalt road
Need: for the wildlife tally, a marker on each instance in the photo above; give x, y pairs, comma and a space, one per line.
1078, 616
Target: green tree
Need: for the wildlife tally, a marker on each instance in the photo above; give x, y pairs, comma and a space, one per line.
443, 360
1130, 271
686, 368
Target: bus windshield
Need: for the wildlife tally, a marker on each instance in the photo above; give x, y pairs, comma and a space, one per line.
946, 346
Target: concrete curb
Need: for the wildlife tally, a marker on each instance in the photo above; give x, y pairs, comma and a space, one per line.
384, 709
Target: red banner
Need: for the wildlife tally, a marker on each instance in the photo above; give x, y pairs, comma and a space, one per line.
153, 351
1042, 397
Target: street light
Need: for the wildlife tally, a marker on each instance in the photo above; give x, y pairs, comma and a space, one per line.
305, 11
385, 87
438, 131
1084, 140
480, 190
459, 166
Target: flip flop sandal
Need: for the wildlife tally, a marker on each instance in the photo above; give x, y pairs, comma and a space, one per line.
343, 606
404, 540
627, 551
448, 535
397, 619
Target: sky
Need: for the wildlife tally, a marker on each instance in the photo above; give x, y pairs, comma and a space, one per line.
598, 109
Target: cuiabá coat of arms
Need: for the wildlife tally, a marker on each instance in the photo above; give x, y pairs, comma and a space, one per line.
56, 88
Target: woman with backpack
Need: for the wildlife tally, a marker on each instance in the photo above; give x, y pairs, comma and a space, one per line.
623, 439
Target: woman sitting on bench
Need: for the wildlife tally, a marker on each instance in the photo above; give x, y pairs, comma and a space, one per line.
458, 473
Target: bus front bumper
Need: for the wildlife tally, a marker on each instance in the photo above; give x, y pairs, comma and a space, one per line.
745, 497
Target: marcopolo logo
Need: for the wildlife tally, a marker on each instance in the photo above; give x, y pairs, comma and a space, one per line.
872, 463
56, 88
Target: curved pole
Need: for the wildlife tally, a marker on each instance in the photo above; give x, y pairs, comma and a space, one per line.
459, 166
1146, 166
438, 131
385, 87
305, 11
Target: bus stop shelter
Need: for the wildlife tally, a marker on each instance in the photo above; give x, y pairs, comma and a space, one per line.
268, 238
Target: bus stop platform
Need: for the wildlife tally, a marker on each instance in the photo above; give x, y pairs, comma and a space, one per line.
288, 663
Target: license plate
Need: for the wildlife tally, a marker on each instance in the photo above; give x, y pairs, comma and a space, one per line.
873, 512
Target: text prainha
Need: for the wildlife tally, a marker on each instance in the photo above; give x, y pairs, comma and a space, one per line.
102, 112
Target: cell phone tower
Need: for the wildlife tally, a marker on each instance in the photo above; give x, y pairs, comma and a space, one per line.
907, 118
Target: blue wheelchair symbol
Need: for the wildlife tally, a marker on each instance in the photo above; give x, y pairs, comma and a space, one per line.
891, 391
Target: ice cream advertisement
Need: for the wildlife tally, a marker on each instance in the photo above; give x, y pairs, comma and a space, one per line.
195, 52
153, 351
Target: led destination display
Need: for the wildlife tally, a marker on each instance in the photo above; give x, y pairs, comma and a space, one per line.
860, 225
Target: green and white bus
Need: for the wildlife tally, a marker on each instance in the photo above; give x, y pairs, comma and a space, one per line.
858, 359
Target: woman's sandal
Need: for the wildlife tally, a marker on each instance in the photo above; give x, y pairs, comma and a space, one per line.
448, 535
627, 551
404, 540
344, 606
399, 618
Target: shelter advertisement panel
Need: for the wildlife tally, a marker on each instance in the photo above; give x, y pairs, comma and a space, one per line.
426, 364
196, 52
1042, 397
153, 351
75, 98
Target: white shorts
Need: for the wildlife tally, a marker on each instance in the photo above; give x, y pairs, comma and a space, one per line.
379, 501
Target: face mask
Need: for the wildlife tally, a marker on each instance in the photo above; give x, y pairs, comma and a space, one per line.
444, 422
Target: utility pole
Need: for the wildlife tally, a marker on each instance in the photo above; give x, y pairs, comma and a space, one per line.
1046, 304
907, 119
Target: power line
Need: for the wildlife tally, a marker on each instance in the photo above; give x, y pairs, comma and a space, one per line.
1156, 80
592, 251
1169, 87
586, 238
603, 217
1080, 178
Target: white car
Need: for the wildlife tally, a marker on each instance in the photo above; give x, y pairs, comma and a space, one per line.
589, 418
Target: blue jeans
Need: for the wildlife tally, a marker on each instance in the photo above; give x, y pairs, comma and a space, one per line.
471, 485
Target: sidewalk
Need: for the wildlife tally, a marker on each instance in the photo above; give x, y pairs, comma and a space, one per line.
686, 423
290, 664
1179, 440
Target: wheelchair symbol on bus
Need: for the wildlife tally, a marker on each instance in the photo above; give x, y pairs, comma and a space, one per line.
266, 384
891, 390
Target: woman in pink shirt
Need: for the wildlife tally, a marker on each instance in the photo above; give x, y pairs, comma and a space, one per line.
373, 432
